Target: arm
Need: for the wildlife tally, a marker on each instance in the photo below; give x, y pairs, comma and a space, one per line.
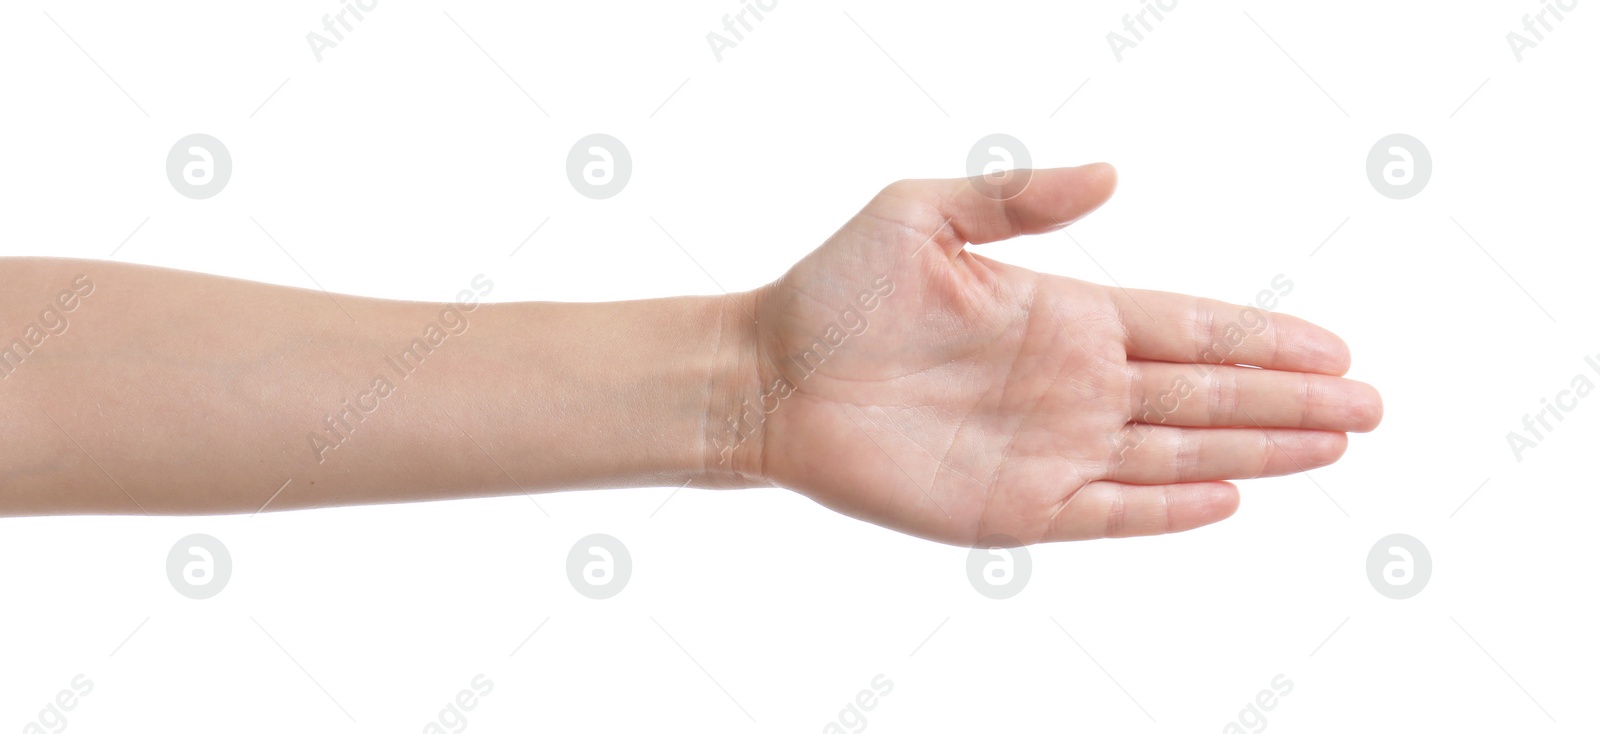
170, 392
892, 374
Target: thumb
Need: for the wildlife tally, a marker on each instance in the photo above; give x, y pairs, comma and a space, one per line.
980, 210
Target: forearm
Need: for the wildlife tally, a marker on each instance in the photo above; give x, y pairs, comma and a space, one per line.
172, 392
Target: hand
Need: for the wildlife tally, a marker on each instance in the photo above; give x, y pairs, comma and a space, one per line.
910, 382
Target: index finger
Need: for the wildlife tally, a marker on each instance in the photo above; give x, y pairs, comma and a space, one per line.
1170, 327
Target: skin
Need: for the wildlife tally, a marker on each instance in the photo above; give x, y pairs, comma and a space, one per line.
893, 375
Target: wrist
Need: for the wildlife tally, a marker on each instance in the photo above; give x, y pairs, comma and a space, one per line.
735, 426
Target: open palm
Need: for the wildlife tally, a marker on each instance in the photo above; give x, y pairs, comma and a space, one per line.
923, 387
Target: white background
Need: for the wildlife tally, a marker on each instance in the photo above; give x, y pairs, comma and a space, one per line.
405, 162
